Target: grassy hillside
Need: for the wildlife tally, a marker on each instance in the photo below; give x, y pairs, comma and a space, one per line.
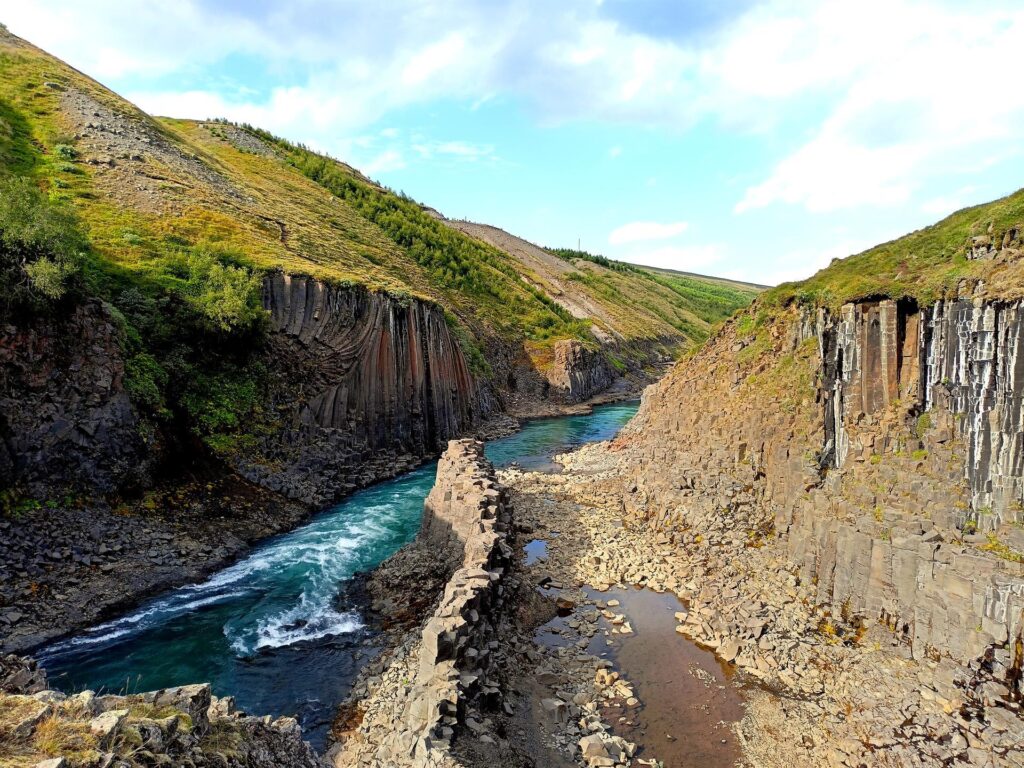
927, 264
707, 300
172, 224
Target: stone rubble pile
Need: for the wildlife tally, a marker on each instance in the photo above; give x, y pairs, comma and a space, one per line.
831, 689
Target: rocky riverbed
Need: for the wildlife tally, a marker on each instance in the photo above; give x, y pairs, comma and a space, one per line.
581, 672
818, 689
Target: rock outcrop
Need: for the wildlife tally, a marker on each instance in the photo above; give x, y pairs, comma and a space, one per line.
366, 377
424, 696
961, 357
184, 726
865, 444
66, 421
868, 458
579, 372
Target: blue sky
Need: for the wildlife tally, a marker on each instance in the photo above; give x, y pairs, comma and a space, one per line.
756, 140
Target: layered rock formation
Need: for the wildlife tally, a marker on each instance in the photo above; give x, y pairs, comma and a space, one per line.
962, 357
366, 377
856, 456
579, 372
66, 420
426, 692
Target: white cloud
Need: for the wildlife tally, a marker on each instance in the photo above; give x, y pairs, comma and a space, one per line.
947, 204
878, 97
459, 150
389, 160
801, 264
646, 230
927, 92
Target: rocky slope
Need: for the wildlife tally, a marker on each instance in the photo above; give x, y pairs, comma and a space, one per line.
637, 315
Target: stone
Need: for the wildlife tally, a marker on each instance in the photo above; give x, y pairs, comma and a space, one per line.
106, 726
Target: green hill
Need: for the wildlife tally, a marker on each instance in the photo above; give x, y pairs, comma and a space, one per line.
175, 222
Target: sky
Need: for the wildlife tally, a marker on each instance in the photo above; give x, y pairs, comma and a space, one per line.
753, 140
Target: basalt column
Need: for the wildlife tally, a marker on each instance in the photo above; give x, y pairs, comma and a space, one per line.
368, 375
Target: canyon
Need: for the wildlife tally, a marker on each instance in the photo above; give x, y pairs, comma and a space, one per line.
811, 534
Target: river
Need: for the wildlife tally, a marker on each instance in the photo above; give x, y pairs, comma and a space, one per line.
269, 629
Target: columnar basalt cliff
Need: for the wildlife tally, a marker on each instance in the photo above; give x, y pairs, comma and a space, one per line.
872, 451
961, 357
578, 372
915, 415
867, 442
367, 377
425, 695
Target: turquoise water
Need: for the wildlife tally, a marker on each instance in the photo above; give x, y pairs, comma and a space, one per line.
276, 629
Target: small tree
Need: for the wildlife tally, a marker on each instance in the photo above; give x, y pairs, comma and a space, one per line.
41, 248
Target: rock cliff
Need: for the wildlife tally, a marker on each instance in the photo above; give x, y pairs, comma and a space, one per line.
362, 378
579, 372
872, 445
66, 420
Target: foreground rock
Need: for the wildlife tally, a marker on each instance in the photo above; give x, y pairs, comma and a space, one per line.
184, 726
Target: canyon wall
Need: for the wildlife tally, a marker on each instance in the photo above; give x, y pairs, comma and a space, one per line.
961, 357
367, 382
424, 695
878, 447
579, 372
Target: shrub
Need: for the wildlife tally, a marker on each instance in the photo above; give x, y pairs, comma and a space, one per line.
922, 425
227, 296
41, 248
145, 380
65, 152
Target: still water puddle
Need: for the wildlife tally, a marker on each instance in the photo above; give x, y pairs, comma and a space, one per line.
687, 700
536, 550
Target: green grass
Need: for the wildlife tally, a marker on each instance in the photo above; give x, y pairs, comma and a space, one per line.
689, 305
925, 265
470, 272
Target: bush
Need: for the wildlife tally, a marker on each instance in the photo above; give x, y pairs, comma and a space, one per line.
65, 152
42, 249
227, 296
145, 380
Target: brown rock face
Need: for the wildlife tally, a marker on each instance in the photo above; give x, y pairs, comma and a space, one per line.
367, 377
865, 445
579, 372
390, 370
871, 357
